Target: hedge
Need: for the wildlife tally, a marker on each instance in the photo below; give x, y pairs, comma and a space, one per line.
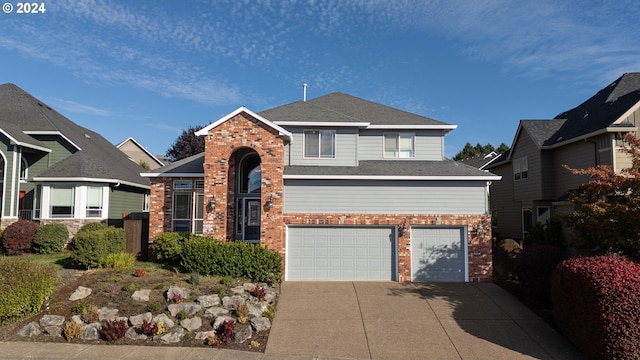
27, 285
533, 268
90, 248
238, 259
167, 246
596, 305
50, 238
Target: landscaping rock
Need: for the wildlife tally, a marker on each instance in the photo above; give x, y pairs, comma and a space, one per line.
270, 295
134, 333
53, 330
248, 286
232, 302
80, 293
209, 300
238, 289
168, 323
141, 295
190, 308
77, 319
31, 329
105, 313
220, 319
175, 290
256, 309
137, 320
260, 324
91, 332
192, 324
241, 333
171, 337
201, 335
215, 311
51, 320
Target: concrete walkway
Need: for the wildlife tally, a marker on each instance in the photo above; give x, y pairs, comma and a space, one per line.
389, 320
365, 320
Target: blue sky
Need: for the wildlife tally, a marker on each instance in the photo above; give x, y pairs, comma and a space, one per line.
149, 69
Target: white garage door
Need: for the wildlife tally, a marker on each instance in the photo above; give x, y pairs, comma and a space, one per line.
438, 254
340, 253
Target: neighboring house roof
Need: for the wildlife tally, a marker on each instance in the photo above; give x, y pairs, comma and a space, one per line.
540, 130
142, 148
601, 111
337, 108
480, 162
390, 170
96, 158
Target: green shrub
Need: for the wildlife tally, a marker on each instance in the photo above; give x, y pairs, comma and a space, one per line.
17, 237
27, 286
50, 238
92, 227
91, 247
168, 246
234, 258
118, 260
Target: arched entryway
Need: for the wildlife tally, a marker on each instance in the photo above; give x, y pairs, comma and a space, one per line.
247, 197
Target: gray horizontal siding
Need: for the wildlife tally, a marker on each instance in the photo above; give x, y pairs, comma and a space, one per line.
428, 144
385, 197
346, 143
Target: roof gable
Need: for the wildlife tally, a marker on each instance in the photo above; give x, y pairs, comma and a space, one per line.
133, 141
280, 130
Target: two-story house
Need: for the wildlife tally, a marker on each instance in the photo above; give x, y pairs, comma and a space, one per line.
344, 188
534, 183
53, 170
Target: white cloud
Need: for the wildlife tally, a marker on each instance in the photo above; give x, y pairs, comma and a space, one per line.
74, 107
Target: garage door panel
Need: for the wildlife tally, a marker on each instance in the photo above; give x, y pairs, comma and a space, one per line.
341, 253
438, 254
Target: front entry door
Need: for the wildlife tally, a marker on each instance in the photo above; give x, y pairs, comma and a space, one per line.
251, 220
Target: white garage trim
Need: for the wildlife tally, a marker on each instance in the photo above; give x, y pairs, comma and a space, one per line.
341, 253
439, 253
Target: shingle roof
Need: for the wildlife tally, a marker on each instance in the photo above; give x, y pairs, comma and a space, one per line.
541, 130
97, 159
599, 111
391, 168
340, 107
18, 135
191, 165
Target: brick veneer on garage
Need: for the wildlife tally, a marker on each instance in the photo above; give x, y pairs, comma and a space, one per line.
479, 245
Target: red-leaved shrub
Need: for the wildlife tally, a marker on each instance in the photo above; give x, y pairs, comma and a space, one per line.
17, 237
596, 304
533, 267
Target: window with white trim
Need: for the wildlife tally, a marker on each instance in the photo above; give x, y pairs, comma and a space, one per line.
188, 211
24, 170
319, 144
61, 201
520, 168
94, 202
399, 145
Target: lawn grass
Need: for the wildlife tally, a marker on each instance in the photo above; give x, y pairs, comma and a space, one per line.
58, 261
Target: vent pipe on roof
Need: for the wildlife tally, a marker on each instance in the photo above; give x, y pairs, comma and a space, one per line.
304, 92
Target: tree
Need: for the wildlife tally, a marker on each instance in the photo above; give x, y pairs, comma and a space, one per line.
470, 151
607, 208
187, 144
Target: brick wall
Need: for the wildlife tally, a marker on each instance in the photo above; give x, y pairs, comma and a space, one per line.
479, 245
243, 131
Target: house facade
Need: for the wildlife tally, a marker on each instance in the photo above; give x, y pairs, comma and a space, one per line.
53, 170
535, 183
139, 154
344, 188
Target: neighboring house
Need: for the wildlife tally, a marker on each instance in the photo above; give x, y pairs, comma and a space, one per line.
53, 170
344, 188
534, 183
139, 154
480, 162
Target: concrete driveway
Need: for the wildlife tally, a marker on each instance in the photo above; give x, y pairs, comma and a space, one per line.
390, 320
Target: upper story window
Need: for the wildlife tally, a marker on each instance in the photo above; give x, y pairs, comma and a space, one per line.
24, 170
520, 168
320, 144
399, 145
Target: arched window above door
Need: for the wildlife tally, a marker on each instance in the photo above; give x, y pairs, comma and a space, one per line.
250, 174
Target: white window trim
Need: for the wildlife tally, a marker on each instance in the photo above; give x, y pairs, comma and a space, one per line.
335, 145
413, 145
23, 162
79, 204
520, 166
